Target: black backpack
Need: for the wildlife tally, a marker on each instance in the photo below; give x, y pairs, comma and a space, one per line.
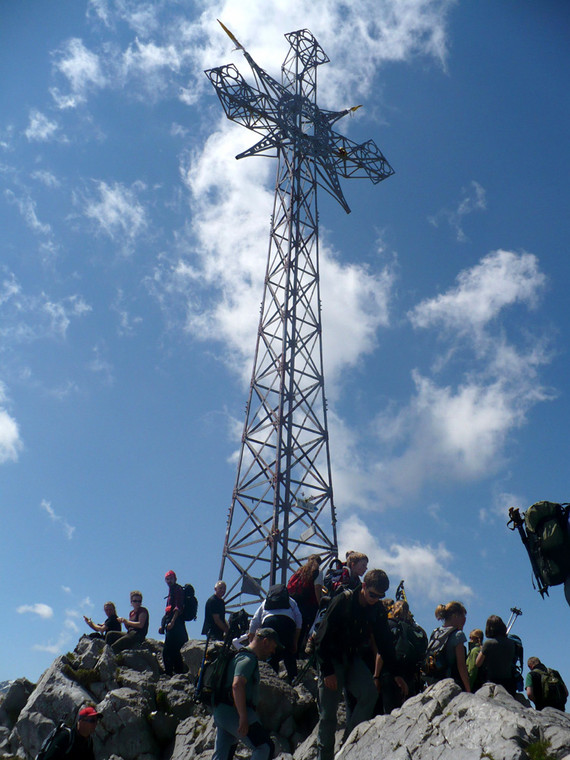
410, 642
436, 665
61, 728
277, 597
190, 603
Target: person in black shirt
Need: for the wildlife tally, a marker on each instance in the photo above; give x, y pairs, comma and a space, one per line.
353, 622
215, 625
75, 743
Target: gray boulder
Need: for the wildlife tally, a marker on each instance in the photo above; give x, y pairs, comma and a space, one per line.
14, 701
444, 723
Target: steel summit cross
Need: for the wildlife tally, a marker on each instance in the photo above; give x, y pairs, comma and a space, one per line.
282, 508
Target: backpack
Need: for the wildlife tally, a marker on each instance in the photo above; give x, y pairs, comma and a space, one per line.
410, 642
336, 578
548, 540
301, 589
552, 687
56, 731
213, 688
517, 662
277, 597
190, 603
435, 664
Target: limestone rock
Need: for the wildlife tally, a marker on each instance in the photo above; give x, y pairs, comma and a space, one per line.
195, 737
14, 701
444, 723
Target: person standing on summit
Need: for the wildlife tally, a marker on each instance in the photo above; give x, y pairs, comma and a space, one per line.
173, 626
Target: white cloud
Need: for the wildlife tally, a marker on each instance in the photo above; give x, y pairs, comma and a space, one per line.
40, 609
424, 568
82, 68
27, 208
501, 279
68, 529
118, 212
46, 178
10, 441
40, 128
473, 199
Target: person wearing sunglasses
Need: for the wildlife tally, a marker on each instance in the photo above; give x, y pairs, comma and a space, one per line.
136, 625
354, 623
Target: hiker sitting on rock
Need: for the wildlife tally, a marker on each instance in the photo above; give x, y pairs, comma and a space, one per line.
498, 655
111, 623
136, 625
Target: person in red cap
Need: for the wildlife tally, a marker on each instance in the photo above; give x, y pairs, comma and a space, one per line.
173, 626
74, 743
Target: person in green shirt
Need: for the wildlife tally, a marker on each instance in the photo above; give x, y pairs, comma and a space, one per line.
236, 718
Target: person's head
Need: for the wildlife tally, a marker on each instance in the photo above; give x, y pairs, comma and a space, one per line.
170, 578
109, 609
265, 643
87, 720
310, 569
220, 589
357, 563
374, 586
401, 611
532, 662
452, 613
476, 637
136, 598
495, 627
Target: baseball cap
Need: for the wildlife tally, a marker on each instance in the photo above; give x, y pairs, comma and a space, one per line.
269, 633
89, 712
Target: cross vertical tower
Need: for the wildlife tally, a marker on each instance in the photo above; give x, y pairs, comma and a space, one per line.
282, 508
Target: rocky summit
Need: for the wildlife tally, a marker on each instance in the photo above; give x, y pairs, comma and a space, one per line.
150, 716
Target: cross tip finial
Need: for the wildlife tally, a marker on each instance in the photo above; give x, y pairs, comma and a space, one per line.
230, 35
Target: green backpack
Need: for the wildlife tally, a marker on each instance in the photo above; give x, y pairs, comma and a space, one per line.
552, 687
549, 540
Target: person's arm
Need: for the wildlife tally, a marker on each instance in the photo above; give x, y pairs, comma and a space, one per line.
255, 621
221, 624
462, 666
95, 626
238, 693
480, 659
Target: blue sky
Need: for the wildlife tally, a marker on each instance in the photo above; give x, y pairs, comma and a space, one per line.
131, 275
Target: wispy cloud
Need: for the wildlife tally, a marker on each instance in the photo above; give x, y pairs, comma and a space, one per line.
27, 208
118, 212
40, 609
83, 71
472, 199
40, 128
10, 441
425, 567
68, 529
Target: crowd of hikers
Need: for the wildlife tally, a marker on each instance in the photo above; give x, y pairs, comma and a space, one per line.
367, 650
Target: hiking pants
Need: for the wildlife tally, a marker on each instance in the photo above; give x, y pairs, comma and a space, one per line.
227, 721
355, 676
285, 628
174, 640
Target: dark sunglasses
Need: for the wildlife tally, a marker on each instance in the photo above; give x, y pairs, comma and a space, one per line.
90, 720
138, 601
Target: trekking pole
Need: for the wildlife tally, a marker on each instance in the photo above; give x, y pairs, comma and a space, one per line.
515, 612
518, 524
198, 688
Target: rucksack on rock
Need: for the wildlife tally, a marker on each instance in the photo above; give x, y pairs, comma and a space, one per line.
436, 663
56, 732
410, 642
190, 603
552, 687
546, 526
277, 597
